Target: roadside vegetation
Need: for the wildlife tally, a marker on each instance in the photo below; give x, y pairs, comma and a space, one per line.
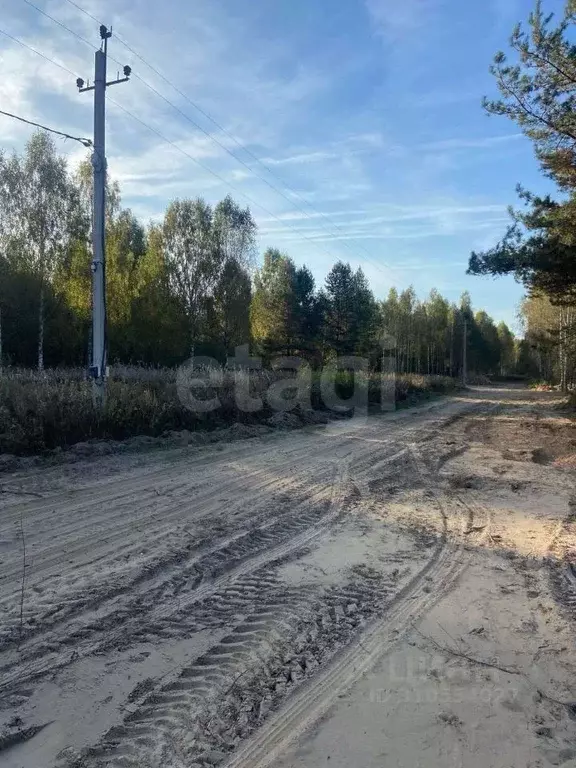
190, 286
193, 285
537, 80
54, 409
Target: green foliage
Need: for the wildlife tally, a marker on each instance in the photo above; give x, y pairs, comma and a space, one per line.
351, 311
549, 348
183, 283
539, 94
538, 89
429, 335
54, 409
39, 217
539, 249
207, 253
189, 282
285, 315
507, 350
273, 303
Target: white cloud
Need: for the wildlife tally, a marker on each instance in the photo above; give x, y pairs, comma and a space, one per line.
481, 142
381, 195
393, 19
161, 159
389, 233
25, 79
304, 157
442, 215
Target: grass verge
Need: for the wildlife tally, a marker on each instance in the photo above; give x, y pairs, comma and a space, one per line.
54, 409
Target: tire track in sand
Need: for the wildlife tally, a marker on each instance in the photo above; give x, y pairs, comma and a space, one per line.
196, 718
416, 598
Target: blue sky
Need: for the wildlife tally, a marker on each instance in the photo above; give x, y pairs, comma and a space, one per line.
369, 110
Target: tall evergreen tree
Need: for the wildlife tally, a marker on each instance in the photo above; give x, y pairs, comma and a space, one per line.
539, 94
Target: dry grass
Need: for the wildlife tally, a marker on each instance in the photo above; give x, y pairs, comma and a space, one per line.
42, 411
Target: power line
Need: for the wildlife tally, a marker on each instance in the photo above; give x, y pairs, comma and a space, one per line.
84, 11
238, 159
216, 175
171, 143
182, 151
85, 142
180, 112
368, 256
229, 135
60, 24
38, 53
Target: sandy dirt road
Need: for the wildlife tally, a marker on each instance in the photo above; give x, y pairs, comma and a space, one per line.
251, 604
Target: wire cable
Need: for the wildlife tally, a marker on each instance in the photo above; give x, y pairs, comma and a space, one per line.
182, 151
300, 233
84, 11
38, 53
156, 71
85, 142
216, 175
167, 101
60, 24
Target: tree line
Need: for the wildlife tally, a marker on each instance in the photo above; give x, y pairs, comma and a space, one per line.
548, 349
537, 82
190, 284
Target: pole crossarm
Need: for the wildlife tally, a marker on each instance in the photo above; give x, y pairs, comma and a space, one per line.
108, 84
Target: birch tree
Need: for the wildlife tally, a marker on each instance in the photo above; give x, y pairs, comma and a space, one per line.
193, 258
37, 208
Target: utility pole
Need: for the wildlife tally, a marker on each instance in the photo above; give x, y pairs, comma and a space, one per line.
452, 344
465, 353
98, 367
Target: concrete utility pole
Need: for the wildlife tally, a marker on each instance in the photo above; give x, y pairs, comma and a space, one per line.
465, 352
98, 366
